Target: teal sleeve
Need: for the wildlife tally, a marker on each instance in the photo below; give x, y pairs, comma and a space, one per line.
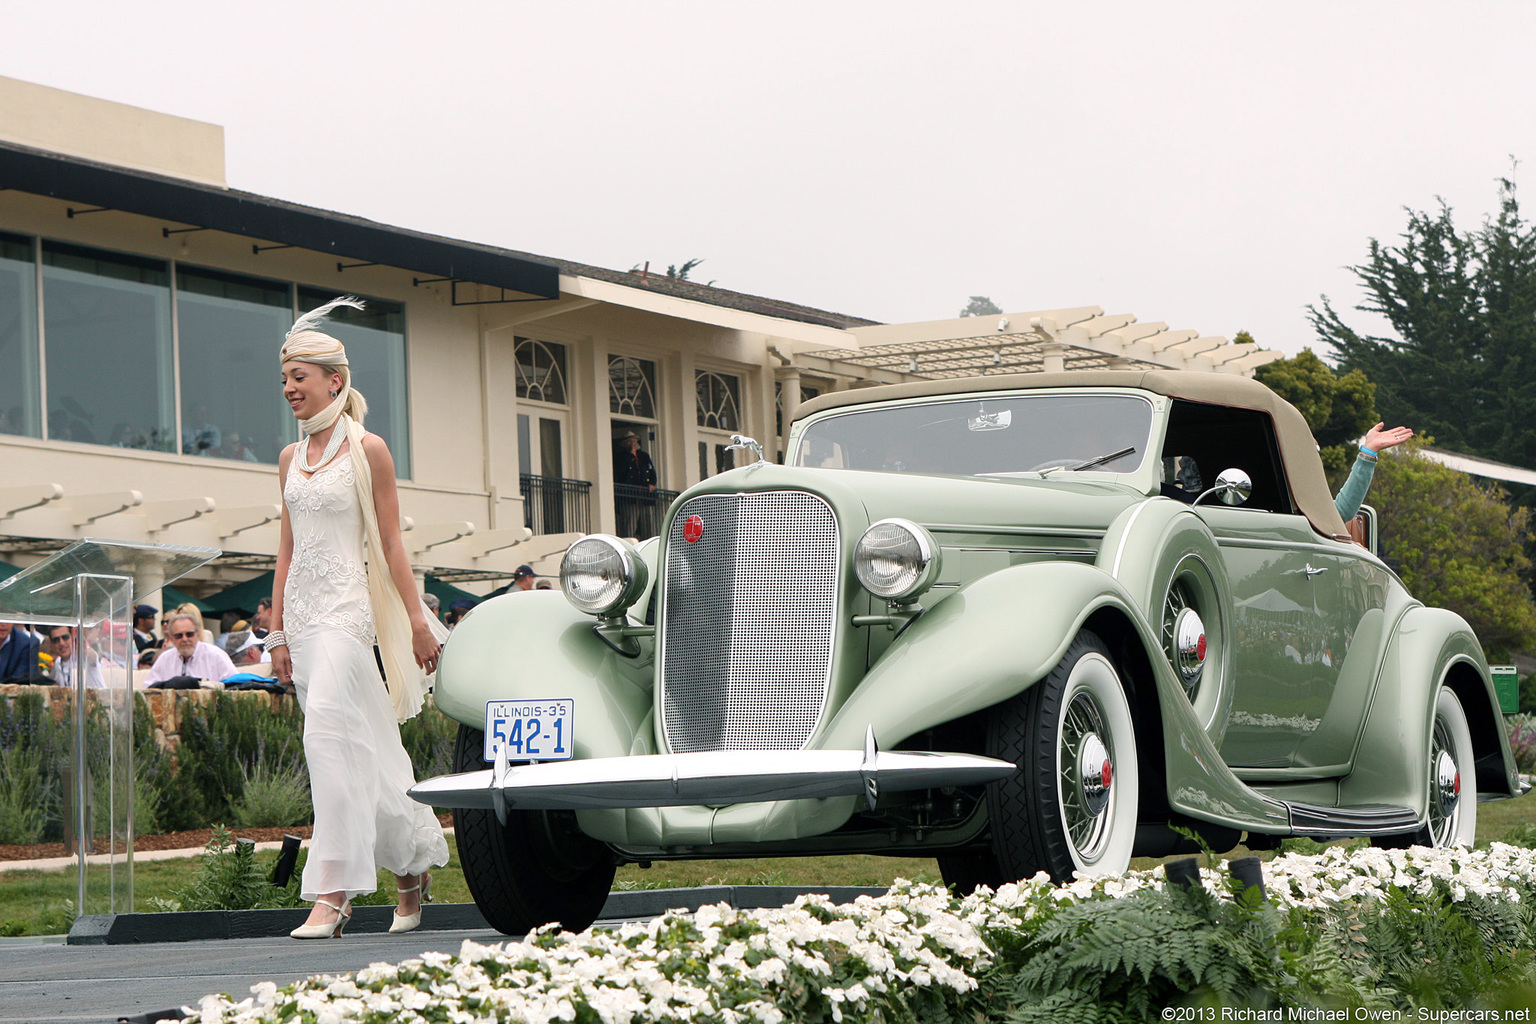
1352, 494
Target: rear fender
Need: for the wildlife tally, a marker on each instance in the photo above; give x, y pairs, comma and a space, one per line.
536, 646
1431, 646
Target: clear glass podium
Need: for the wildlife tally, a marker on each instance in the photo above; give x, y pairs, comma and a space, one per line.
91, 586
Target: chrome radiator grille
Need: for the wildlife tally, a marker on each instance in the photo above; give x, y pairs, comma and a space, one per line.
747, 621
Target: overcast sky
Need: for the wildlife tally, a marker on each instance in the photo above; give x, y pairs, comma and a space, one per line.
1214, 165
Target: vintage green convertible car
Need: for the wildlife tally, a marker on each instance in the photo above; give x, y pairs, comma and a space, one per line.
1017, 623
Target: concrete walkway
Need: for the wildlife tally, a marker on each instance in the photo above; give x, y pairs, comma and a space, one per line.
61, 863
51, 983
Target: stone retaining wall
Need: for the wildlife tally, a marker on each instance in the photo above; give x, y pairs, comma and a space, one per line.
167, 707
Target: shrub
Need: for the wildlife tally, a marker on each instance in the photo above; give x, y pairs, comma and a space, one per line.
428, 739
228, 878
274, 795
24, 796
1522, 741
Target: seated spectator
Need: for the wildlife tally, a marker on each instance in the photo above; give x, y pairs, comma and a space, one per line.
431, 601
188, 655
144, 628
245, 648
458, 610
263, 622
18, 652
66, 659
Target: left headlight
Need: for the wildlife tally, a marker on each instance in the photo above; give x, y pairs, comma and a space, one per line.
602, 575
896, 559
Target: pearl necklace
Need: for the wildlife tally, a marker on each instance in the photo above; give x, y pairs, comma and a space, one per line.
332, 447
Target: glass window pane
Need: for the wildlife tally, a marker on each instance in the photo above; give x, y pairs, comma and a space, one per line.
107, 325
540, 370
718, 398
375, 341
231, 328
632, 386
20, 402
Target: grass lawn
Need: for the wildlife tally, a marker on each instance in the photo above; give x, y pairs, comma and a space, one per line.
40, 902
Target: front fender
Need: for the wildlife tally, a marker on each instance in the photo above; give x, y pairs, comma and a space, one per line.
535, 646
1001, 634
988, 641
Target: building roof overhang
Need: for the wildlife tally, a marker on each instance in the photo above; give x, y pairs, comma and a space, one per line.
181, 202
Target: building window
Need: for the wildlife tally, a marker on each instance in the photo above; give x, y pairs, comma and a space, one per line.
229, 329
719, 397
20, 403
540, 370
632, 387
375, 341
107, 331
719, 401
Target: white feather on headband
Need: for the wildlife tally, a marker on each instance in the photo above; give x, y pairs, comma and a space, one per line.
312, 320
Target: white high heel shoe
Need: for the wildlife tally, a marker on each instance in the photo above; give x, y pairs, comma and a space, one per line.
410, 922
330, 930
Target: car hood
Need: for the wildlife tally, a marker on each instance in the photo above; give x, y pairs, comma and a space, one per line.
1061, 501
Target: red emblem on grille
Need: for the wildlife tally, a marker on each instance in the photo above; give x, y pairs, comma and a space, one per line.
693, 529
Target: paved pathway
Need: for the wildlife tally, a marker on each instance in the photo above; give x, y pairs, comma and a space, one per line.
47, 981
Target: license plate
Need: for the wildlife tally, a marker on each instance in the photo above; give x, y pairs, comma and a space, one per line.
531, 730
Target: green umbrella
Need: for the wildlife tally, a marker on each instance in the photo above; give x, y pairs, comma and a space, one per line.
241, 597
447, 593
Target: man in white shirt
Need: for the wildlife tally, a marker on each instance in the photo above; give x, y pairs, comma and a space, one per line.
66, 659
189, 656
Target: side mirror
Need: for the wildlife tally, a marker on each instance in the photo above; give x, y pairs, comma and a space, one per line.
1233, 487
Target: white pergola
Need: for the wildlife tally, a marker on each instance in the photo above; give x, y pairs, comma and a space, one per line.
1084, 338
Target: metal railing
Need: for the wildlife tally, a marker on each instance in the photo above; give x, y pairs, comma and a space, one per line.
554, 504
638, 511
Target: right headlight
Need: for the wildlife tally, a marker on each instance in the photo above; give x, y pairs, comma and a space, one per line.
896, 559
602, 575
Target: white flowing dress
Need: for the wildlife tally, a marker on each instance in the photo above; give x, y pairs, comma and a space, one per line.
358, 770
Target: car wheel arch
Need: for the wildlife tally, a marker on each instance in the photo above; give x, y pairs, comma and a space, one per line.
1125, 642
1463, 679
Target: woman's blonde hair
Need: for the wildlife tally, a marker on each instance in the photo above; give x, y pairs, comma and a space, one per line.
308, 344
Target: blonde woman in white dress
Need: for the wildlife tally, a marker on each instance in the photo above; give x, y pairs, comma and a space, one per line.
344, 582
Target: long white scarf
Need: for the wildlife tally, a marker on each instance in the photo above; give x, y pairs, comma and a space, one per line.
407, 682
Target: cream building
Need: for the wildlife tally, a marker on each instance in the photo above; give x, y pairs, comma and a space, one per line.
142, 302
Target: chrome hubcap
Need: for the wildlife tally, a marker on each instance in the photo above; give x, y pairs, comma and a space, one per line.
1189, 647
1184, 637
1445, 786
1087, 774
1094, 773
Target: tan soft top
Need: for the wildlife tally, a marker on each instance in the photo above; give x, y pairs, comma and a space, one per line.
1298, 449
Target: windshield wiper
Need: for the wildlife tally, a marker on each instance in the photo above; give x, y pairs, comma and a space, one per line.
1090, 463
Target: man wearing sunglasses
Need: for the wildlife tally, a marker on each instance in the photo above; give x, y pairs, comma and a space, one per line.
64, 646
189, 656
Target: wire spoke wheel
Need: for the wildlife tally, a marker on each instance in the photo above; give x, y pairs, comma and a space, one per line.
1072, 805
1082, 727
1452, 811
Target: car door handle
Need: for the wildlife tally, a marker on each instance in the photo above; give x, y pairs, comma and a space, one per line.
1313, 572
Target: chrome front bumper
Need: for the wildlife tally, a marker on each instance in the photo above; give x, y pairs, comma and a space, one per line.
707, 778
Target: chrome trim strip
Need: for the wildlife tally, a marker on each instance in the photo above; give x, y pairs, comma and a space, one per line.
706, 778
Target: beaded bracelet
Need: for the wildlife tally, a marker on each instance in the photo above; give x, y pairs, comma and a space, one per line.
276, 638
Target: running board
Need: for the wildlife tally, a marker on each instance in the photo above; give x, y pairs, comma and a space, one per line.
706, 778
1359, 820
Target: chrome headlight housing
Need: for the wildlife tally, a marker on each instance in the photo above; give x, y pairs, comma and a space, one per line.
602, 575
896, 559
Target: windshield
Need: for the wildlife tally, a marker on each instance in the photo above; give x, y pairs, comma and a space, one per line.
1029, 434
